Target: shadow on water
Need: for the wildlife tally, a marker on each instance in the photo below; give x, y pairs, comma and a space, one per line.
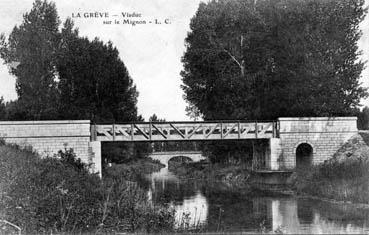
209, 207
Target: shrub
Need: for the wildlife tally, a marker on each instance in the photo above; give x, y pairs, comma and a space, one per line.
126, 208
344, 181
48, 195
69, 158
53, 195
344, 170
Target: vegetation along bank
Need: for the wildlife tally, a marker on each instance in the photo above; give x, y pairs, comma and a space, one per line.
58, 194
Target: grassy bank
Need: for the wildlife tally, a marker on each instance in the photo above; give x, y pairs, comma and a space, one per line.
59, 195
231, 176
345, 177
132, 170
348, 182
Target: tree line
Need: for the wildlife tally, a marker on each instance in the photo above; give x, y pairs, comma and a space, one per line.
264, 59
244, 59
62, 75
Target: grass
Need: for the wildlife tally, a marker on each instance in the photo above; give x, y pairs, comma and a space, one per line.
233, 177
346, 181
344, 177
59, 195
132, 170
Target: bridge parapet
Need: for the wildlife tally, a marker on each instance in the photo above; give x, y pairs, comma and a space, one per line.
317, 125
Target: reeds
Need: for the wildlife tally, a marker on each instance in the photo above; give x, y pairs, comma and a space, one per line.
59, 195
342, 181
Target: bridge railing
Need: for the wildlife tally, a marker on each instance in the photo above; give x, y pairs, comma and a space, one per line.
167, 131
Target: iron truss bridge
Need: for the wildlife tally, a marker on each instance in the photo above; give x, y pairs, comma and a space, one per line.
176, 131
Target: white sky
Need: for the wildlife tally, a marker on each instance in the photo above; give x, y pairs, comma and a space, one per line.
152, 53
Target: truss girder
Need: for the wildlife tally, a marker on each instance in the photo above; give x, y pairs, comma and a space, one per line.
174, 131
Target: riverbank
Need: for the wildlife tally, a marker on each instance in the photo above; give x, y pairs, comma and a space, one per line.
210, 207
233, 177
343, 178
333, 182
332, 201
338, 184
132, 170
59, 195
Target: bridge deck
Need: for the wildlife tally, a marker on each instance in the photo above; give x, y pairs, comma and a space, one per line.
176, 131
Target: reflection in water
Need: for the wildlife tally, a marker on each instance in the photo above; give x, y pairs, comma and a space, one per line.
164, 175
193, 211
284, 217
214, 209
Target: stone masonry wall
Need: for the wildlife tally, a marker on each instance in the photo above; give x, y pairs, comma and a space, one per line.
48, 137
325, 135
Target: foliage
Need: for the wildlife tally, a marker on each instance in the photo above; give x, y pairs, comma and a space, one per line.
344, 170
69, 158
2, 109
343, 181
270, 58
133, 170
94, 82
233, 151
363, 119
59, 195
32, 186
125, 152
129, 210
60, 75
155, 118
232, 177
30, 53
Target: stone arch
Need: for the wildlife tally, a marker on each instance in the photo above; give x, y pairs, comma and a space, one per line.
304, 142
182, 157
177, 160
304, 154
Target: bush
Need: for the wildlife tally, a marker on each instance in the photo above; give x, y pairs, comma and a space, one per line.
343, 170
69, 158
126, 208
47, 195
343, 181
53, 195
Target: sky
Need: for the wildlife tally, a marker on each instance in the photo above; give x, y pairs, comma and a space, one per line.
151, 52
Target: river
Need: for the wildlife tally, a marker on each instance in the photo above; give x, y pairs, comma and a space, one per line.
210, 207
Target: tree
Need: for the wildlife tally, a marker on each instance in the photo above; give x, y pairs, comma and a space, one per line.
2, 109
363, 119
94, 82
61, 75
155, 118
265, 59
30, 53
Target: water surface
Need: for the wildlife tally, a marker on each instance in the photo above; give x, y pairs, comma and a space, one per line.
210, 207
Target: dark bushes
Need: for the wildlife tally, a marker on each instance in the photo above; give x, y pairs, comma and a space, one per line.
60, 195
46, 195
344, 170
343, 181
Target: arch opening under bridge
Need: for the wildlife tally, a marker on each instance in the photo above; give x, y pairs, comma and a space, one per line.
165, 157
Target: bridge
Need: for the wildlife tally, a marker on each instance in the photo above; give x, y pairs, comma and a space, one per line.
284, 139
177, 131
164, 157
